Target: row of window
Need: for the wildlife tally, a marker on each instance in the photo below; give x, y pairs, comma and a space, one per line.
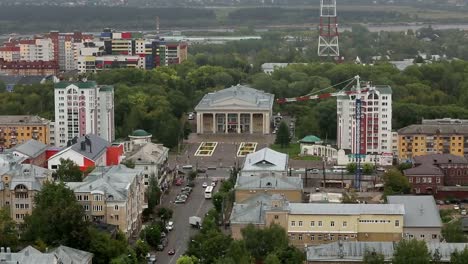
22, 206
423, 179
300, 237
98, 207
344, 223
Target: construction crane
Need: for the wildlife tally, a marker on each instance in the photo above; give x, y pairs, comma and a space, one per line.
357, 115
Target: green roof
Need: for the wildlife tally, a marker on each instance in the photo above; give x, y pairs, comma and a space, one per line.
140, 133
106, 88
310, 139
81, 85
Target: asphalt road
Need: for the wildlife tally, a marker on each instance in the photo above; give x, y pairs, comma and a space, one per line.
196, 205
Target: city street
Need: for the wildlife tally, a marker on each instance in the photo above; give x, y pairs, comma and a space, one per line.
196, 205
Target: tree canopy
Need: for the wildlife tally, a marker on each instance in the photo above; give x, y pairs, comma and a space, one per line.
411, 251
68, 171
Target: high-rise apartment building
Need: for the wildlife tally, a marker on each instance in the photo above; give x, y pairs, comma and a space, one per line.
436, 136
83, 108
375, 124
17, 129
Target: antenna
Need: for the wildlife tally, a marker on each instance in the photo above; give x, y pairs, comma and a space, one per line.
328, 30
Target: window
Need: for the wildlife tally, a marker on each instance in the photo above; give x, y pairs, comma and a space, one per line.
429, 179
345, 224
422, 236
276, 216
116, 217
293, 223
397, 223
299, 237
116, 207
300, 223
312, 223
332, 223
312, 237
85, 197
434, 236
293, 237
97, 197
418, 180
410, 179
86, 207
319, 237
319, 223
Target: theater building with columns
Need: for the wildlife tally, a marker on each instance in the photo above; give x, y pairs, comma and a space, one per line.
238, 109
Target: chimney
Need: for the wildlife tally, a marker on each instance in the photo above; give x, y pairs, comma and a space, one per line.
8, 250
83, 145
2, 250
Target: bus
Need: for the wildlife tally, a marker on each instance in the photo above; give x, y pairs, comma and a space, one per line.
208, 192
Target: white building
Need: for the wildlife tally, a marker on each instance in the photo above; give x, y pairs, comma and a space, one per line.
265, 162
83, 108
376, 121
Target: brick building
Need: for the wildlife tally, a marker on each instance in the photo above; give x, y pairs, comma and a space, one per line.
455, 168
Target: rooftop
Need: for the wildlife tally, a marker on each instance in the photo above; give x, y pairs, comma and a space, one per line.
269, 182
424, 169
353, 251
62, 254
29, 175
420, 211
81, 85
90, 146
140, 133
22, 120
31, 148
148, 153
113, 182
251, 210
236, 98
437, 127
310, 139
440, 159
266, 160
346, 209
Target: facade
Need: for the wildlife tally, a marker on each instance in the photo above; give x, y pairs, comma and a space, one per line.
436, 136
317, 223
247, 187
425, 178
265, 162
376, 121
33, 151
113, 195
238, 109
422, 219
455, 168
30, 255
83, 108
88, 151
19, 183
17, 129
150, 157
383, 159
354, 251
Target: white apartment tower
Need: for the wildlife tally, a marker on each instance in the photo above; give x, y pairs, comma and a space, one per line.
376, 121
83, 108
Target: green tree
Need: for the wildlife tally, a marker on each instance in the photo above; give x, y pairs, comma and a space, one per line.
129, 164
290, 255
395, 183
349, 197
8, 232
210, 245
261, 242
165, 214
272, 259
153, 192
282, 135
68, 171
141, 249
372, 257
238, 252
403, 166
152, 235
104, 247
453, 233
57, 218
128, 257
218, 199
184, 259
351, 167
368, 168
411, 251
192, 175
459, 257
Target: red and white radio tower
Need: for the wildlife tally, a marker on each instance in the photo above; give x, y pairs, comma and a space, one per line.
328, 30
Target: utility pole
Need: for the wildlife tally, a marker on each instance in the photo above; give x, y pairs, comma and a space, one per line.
324, 173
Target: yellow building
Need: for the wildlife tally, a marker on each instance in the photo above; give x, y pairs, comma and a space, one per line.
19, 183
113, 195
438, 136
309, 223
17, 129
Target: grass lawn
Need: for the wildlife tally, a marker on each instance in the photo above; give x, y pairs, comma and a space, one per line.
293, 151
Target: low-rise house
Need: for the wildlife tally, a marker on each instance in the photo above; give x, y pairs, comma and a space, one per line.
354, 251
19, 183
88, 151
150, 157
425, 178
113, 195
289, 187
422, 219
455, 167
265, 162
33, 151
317, 223
61, 255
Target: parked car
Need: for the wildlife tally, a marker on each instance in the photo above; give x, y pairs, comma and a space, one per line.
213, 184
463, 212
191, 116
440, 202
315, 171
171, 252
456, 207
170, 226
160, 247
204, 185
163, 234
179, 182
201, 170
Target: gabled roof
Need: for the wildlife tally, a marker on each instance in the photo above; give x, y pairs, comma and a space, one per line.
425, 170
113, 181
68, 255
440, 159
31, 148
420, 211
62, 254
251, 210
266, 159
269, 182
92, 151
236, 97
22, 120
148, 153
